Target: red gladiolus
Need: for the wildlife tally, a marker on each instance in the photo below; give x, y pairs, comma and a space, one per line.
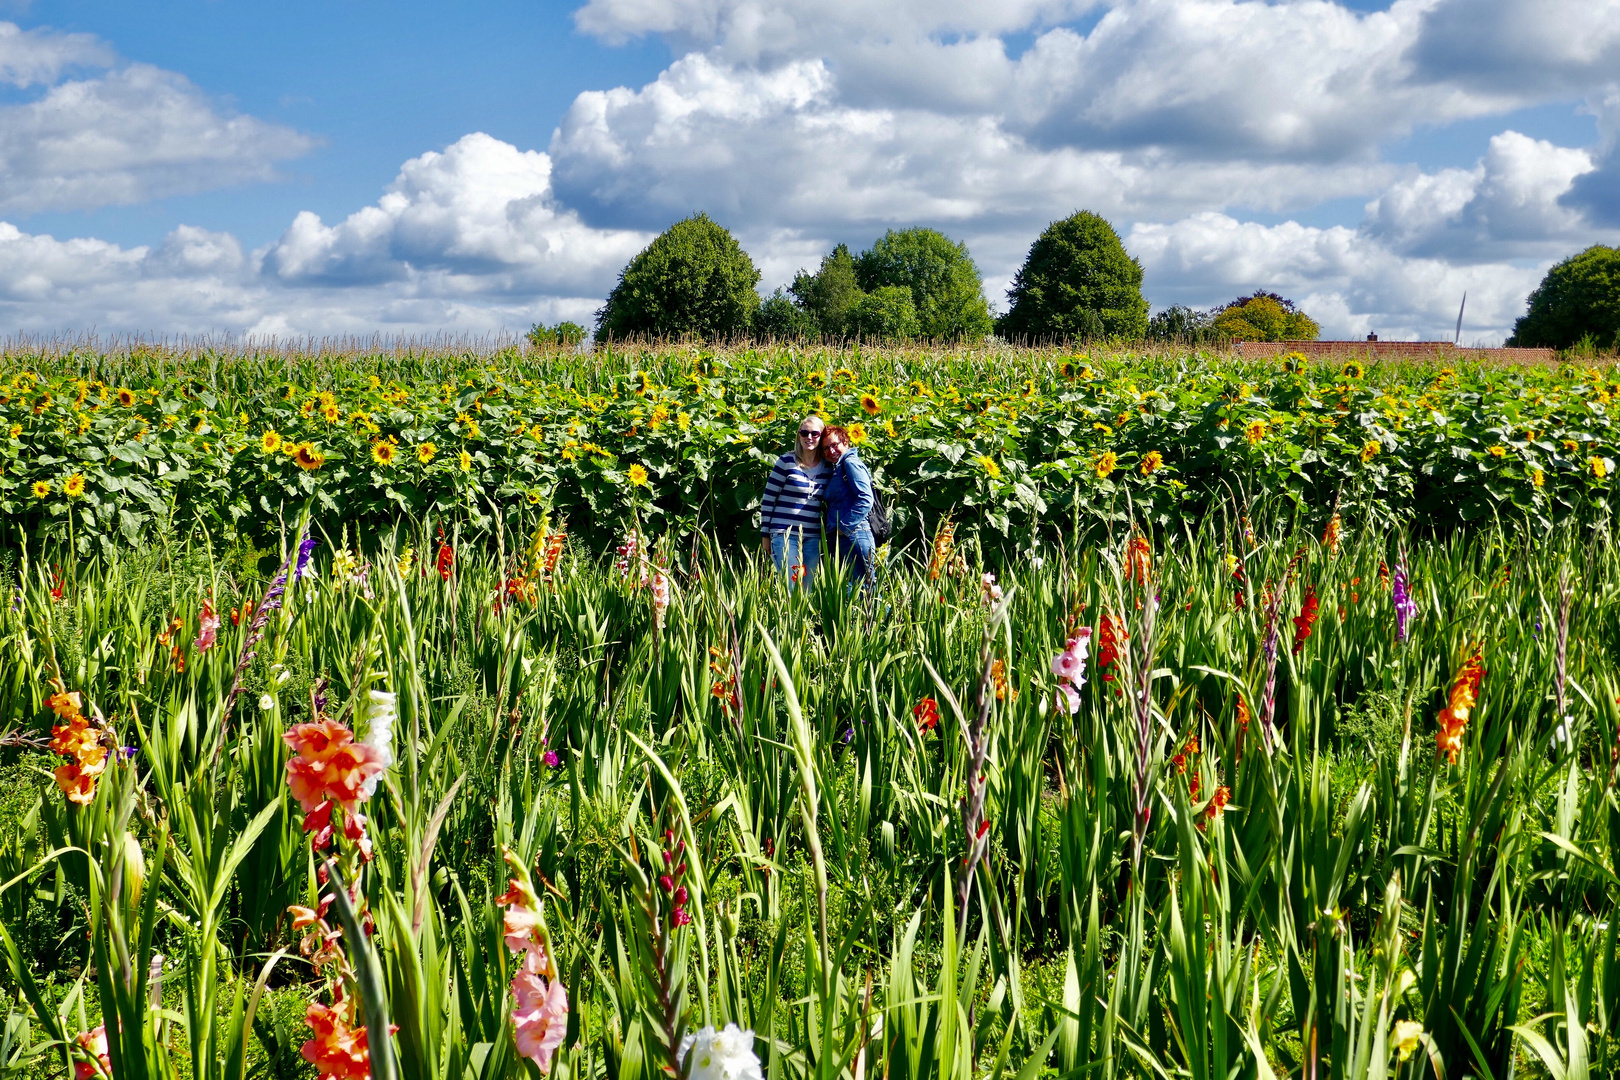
926, 712
1305, 620
1110, 637
447, 556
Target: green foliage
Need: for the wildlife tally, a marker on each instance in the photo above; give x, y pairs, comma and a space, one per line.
884, 314
780, 319
1317, 891
945, 287
693, 280
1265, 317
565, 334
1579, 298
1078, 283
1183, 325
830, 294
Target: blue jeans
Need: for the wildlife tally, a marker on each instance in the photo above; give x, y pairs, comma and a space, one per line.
858, 547
796, 549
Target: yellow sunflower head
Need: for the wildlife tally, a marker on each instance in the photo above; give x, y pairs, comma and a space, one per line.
683, 420
1067, 369
1105, 464
1352, 370
126, 397
817, 380
15, 431
988, 464
845, 374
330, 414
857, 434
308, 457
1370, 450
1255, 432
869, 405
1497, 451
270, 442
73, 486
637, 474
464, 461
919, 390
41, 489
1600, 468
1151, 462
1537, 477
534, 498
425, 452
1293, 362
382, 452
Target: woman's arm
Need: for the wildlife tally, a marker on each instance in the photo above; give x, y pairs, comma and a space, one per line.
773, 488
859, 481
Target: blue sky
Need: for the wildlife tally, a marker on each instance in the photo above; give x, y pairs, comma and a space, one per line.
351, 167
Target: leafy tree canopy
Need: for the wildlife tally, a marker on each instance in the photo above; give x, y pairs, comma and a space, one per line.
829, 295
1265, 316
946, 290
693, 279
780, 318
564, 333
1078, 282
886, 313
1578, 301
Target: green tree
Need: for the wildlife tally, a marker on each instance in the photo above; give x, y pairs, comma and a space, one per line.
946, 290
831, 293
565, 333
886, 314
780, 318
1077, 277
693, 279
1265, 317
1182, 324
1578, 300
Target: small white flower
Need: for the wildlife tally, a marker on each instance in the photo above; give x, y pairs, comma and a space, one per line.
721, 1055
1037, 561
267, 702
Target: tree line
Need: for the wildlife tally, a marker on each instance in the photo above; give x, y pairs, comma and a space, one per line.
1077, 283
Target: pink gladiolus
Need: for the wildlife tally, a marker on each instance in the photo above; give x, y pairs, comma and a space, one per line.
540, 1017
93, 1043
329, 764
207, 627
1070, 664
1068, 698
520, 925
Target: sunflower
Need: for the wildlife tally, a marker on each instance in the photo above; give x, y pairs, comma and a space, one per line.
73, 486
330, 414
919, 390
1255, 432
1067, 369
1029, 388
1352, 370
1497, 451
1151, 462
1293, 362
1370, 450
857, 434
270, 442
1600, 468
637, 474
126, 397
534, 498
1571, 445
382, 452
464, 461
817, 380
845, 374
42, 489
1537, 477
988, 464
308, 457
644, 384
16, 431
869, 405
425, 452
288, 390
1105, 464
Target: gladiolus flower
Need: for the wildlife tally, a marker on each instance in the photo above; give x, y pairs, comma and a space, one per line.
338, 1051
1464, 695
328, 764
446, 559
1405, 1037
539, 1017
1305, 620
1070, 664
207, 627
720, 1055
94, 1044
926, 713
1067, 698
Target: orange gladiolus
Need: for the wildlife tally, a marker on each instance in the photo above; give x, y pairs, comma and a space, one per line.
338, 1050
1459, 705
329, 765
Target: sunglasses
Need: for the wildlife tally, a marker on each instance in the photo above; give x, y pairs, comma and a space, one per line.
805, 433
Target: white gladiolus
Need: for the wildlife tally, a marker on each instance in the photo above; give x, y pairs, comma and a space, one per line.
266, 702
721, 1055
380, 718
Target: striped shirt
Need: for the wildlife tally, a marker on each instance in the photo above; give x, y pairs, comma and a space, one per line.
793, 496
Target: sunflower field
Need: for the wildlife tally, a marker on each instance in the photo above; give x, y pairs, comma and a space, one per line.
406, 744
1021, 444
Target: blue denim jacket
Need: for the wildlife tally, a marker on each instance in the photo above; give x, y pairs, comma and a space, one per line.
849, 493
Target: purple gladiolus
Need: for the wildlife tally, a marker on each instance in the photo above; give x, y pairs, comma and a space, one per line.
1405, 606
305, 547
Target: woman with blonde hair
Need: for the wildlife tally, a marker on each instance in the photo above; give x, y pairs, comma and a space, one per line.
790, 512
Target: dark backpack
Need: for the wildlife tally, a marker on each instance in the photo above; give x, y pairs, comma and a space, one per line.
877, 519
